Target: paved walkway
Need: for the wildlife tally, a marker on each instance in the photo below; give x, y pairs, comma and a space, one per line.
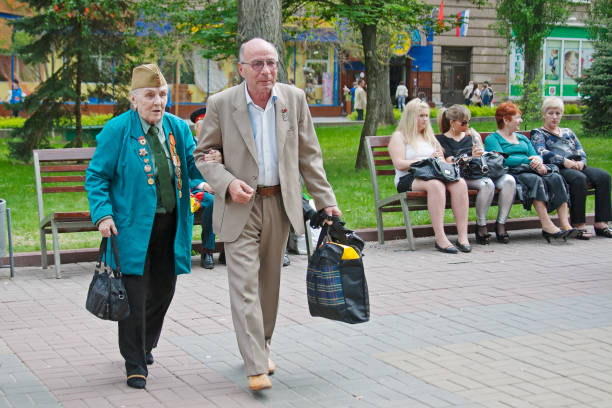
521, 325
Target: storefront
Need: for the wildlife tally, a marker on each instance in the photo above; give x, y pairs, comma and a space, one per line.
567, 52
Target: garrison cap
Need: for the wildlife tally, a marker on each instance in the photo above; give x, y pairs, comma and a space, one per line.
147, 76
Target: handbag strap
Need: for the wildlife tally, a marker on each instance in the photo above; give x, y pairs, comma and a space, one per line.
101, 253
115, 252
323, 234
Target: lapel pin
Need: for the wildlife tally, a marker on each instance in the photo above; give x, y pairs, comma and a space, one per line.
143, 152
142, 140
284, 114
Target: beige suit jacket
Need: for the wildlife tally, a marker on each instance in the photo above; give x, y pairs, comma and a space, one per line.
227, 126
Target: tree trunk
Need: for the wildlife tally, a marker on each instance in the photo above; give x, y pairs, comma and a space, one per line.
263, 19
78, 139
533, 64
378, 109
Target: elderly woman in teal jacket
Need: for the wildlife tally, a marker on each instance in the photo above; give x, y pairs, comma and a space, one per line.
138, 185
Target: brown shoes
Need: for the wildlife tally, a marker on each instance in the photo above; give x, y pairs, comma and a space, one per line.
259, 382
271, 367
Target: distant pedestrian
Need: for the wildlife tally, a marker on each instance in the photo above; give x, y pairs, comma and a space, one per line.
475, 98
467, 92
401, 93
360, 99
16, 96
353, 89
487, 94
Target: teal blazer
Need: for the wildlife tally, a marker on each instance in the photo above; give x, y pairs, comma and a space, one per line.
117, 185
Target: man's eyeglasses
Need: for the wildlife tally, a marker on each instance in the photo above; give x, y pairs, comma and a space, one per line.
258, 65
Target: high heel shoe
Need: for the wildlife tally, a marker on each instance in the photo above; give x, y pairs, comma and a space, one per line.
482, 239
502, 238
554, 235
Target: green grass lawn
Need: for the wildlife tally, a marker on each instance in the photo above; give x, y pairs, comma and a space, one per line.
339, 145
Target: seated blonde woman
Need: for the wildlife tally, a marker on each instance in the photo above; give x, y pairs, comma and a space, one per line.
561, 146
412, 141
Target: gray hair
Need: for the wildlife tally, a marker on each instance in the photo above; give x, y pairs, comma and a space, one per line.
552, 102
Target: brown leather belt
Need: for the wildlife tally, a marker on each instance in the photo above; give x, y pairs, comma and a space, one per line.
268, 191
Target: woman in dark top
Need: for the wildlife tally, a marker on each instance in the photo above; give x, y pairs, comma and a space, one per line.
457, 139
561, 147
537, 183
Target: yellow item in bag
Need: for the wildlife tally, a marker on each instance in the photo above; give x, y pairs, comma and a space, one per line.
349, 251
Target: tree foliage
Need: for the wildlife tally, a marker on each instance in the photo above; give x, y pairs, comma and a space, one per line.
596, 85
376, 21
91, 38
527, 23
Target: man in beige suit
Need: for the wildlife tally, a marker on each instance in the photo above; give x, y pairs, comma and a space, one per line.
268, 140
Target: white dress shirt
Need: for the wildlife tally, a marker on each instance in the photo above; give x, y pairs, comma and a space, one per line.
263, 123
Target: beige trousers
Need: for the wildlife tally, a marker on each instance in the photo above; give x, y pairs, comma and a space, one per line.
254, 261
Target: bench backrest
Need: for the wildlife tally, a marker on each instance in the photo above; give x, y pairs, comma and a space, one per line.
60, 171
380, 163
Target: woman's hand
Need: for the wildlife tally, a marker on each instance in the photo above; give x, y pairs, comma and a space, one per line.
569, 164
477, 151
206, 187
437, 153
213, 155
579, 165
535, 162
541, 169
106, 227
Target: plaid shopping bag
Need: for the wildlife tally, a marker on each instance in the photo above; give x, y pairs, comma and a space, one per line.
335, 282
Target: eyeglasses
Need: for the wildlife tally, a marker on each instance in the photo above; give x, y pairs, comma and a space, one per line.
258, 65
463, 122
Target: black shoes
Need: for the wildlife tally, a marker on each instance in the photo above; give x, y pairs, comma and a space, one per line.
206, 261
222, 258
482, 239
604, 232
463, 248
149, 358
137, 381
554, 235
503, 238
448, 250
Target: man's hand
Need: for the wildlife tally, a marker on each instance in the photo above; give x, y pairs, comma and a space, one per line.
213, 155
332, 210
106, 227
240, 191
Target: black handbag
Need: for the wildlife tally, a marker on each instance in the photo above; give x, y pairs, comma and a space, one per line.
490, 164
335, 281
435, 168
107, 298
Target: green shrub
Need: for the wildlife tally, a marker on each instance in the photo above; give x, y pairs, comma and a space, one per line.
572, 109
88, 120
10, 123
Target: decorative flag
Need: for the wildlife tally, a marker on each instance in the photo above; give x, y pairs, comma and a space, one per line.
463, 19
441, 14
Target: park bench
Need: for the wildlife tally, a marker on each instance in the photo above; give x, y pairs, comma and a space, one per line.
380, 164
60, 171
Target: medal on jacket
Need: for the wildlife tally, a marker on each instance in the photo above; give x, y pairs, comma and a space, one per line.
284, 114
142, 140
177, 164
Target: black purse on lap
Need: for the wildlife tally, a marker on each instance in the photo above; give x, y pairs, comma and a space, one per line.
107, 298
435, 168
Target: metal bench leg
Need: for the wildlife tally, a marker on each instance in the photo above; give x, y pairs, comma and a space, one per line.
56, 251
409, 235
379, 226
43, 249
10, 242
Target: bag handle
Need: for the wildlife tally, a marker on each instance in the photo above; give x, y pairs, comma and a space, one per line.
323, 234
114, 254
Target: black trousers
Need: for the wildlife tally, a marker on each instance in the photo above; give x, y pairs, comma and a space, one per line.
149, 297
359, 114
578, 182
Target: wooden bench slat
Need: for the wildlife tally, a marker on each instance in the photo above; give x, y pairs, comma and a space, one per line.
385, 172
60, 179
381, 153
385, 162
63, 189
63, 168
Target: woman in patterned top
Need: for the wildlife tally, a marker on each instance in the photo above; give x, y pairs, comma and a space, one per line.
560, 146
